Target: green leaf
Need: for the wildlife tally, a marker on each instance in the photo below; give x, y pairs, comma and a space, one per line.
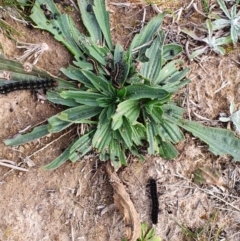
103, 134
102, 17
210, 28
174, 87
235, 118
58, 161
81, 147
191, 34
138, 133
121, 93
76, 74
220, 141
117, 123
168, 70
166, 149
151, 68
197, 52
143, 230
140, 40
208, 175
171, 50
234, 35
79, 113
82, 97
106, 113
118, 53
126, 132
102, 138
151, 133
134, 150
219, 50
55, 97
170, 132
232, 107
172, 113
65, 31
104, 101
35, 134
225, 119
90, 22
221, 23
139, 91
127, 108
17, 71
57, 125
155, 238
224, 8
178, 75
129, 68
223, 40
117, 155
100, 83
64, 84
233, 12
59, 27
149, 234
111, 110
176, 81
155, 112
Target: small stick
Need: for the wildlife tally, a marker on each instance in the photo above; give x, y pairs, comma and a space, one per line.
143, 19
224, 84
2, 163
50, 143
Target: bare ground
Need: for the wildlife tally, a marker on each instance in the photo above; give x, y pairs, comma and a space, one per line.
75, 201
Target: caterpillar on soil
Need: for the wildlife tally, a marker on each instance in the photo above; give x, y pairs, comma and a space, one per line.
28, 85
155, 204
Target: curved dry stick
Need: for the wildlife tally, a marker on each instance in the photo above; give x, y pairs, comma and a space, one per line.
125, 206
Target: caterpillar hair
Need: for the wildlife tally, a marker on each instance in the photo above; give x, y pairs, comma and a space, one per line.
28, 85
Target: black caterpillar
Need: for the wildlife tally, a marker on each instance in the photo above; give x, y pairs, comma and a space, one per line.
94, 63
155, 204
28, 85
117, 75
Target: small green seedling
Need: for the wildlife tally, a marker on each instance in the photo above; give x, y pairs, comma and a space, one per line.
212, 42
208, 175
210, 231
232, 21
206, 6
146, 234
234, 117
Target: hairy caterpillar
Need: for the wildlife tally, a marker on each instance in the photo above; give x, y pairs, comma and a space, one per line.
155, 204
94, 63
28, 85
117, 75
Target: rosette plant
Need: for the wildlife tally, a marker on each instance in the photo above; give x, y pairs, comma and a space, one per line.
231, 19
124, 95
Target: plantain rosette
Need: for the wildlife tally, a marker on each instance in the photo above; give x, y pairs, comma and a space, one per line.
124, 95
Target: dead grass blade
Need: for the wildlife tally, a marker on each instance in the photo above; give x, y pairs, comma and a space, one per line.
125, 206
